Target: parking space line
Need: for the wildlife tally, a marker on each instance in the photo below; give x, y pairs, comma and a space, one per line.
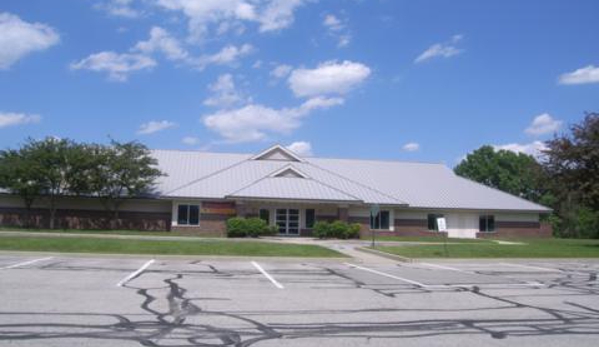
532, 267
447, 268
267, 275
386, 275
25, 263
135, 273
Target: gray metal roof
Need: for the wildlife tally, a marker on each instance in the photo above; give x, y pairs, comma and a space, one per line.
418, 185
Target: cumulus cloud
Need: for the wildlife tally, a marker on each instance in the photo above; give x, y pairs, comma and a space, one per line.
255, 122
190, 140
301, 148
270, 15
161, 41
328, 78
543, 124
411, 147
534, 148
224, 93
152, 127
19, 38
585, 75
281, 71
8, 119
444, 50
118, 66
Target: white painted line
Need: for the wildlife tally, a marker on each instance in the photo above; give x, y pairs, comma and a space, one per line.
25, 263
447, 268
133, 274
267, 275
386, 275
442, 286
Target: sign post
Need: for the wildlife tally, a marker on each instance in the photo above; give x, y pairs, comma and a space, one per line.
374, 212
442, 227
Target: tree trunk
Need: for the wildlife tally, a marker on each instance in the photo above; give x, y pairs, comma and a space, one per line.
52, 211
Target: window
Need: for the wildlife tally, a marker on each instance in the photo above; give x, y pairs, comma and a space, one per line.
188, 215
380, 221
432, 221
310, 218
265, 215
486, 223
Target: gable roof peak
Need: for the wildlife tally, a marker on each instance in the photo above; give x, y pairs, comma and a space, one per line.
277, 152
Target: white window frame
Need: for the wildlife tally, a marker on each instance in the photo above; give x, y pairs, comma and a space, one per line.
391, 220
175, 214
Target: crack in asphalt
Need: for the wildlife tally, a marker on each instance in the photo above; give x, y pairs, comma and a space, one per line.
183, 322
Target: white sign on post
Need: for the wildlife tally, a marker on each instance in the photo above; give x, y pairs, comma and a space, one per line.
442, 224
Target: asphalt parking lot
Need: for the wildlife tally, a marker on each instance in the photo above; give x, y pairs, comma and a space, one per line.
103, 301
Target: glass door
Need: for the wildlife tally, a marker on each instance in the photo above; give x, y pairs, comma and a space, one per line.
287, 220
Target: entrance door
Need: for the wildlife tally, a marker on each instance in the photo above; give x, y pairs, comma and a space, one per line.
287, 220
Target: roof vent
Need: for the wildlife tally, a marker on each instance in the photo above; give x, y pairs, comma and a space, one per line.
277, 152
289, 172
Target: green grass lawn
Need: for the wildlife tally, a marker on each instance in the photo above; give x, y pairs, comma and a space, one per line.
432, 238
534, 248
206, 247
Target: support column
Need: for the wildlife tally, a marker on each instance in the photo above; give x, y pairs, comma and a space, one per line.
343, 214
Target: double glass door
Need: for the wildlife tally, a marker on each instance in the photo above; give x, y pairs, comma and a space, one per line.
287, 220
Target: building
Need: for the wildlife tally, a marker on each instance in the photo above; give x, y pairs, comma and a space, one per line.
202, 190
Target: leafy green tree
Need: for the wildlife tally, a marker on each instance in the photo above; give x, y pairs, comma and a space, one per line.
19, 176
516, 173
122, 171
572, 162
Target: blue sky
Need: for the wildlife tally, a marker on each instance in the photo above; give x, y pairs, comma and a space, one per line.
399, 80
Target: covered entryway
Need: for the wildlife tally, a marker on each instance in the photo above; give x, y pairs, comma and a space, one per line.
287, 220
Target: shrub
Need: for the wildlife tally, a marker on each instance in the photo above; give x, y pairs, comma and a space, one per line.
256, 227
236, 227
336, 229
322, 229
353, 231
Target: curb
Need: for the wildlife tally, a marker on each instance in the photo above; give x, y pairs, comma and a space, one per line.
385, 255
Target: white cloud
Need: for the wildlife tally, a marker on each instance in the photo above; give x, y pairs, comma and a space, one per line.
543, 124
333, 23
161, 41
337, 28
118, 66
585, 75
328, 78
8, 119
281, 71
255, 122
411, 147
190, 140
270, 15
533, 148
225, 93
154, 126
226, 56
19, 38
119, 8
445, 50
301, 148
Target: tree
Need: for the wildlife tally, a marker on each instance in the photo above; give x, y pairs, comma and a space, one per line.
515, 173
19, 175
572, 162
121, 171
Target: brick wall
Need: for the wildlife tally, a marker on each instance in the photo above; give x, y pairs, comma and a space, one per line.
210, 225
85, 219
519, 230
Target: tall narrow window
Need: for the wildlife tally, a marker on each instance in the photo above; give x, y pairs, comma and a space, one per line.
432, 221
310, 218
265, 215
381, 221
188, 214
486, 223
